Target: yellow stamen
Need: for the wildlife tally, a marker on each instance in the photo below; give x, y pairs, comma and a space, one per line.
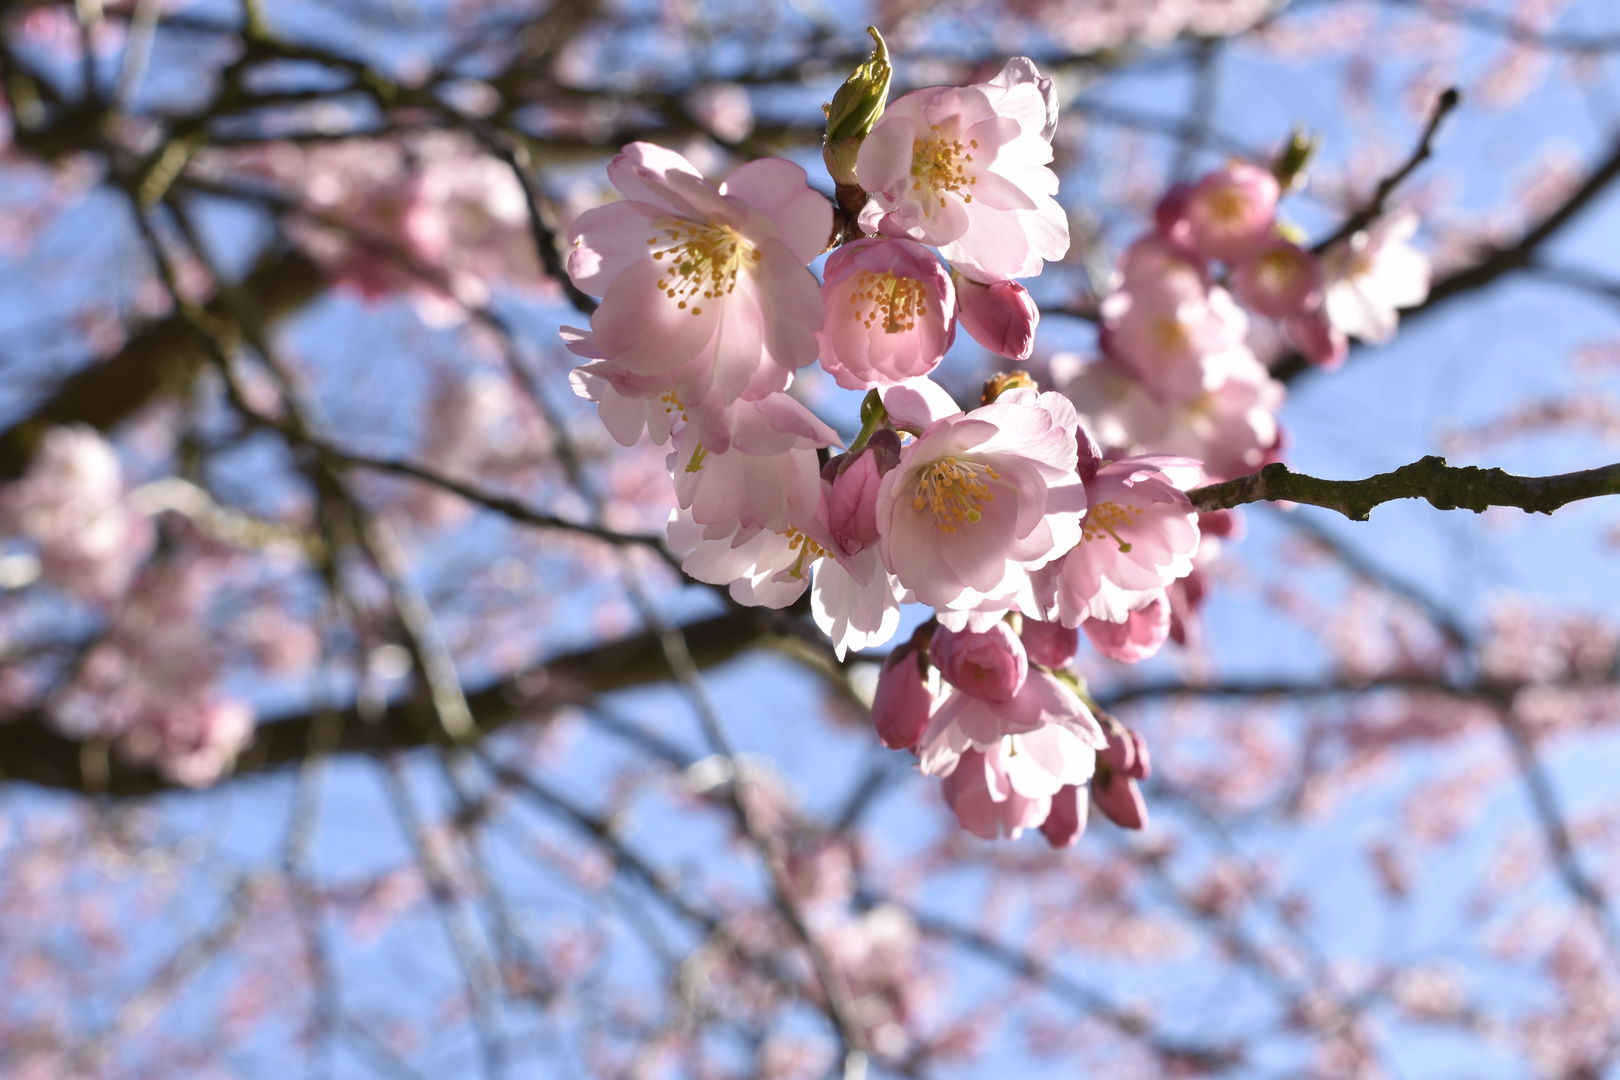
1105, 519
898, 301
953, 491
806, 547
703, 260
940, 165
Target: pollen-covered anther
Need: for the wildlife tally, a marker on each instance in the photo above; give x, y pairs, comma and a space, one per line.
808, 549
1106, 519
953, 490
672, 404
898, 301
940, 164
703, 260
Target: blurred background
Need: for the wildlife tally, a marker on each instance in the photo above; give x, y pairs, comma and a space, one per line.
339, 734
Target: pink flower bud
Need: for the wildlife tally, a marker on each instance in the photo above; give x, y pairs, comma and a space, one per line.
1067, 819
1141, 765
1230, 212
990, 666
1120, 753
1116, 795
1049, 643
851, 502
1317, 339
901, 705
1135, 639
1280, 280
1001, 317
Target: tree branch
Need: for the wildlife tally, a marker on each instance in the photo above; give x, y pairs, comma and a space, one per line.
1446, 487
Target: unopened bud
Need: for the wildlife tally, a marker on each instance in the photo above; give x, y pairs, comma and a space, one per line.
854, 109
1290, 166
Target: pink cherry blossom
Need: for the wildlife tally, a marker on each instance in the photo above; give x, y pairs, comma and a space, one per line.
768, 477
891, 313
990, 665
1140, 534
1177, 332
964, 169
1001, 316
760, 567
1119, 765
1138, 637
1229, 213
1233, 429
901, 705
1373, 275
703, 289
982, 498
1279, 279
193, 741
1049, 643
985, 803
1044, 717
72, 505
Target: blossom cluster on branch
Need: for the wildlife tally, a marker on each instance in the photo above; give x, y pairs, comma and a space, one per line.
1011, 513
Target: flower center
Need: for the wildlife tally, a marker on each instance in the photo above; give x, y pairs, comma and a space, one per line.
703, 260
898, 301
1228, 206
940, 165
1276, 272
1105, 519
672, 404
953, 491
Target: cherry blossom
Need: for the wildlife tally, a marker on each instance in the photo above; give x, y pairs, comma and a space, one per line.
980, 499
1140, 534
1138, 637
704, 290
1374, 274
964, 169
891, 313
72, 505
1228, 214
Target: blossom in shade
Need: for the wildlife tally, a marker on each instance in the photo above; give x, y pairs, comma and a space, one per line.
1049, 643
193, 741
1374, 274
1140, 534
891, 313
1175, 330
984, 801
1066, 820
1001, 316
1045, 718
1316, 338
71, 503
768, 477
964, 169
990, 665
760, 567
704, 290
902, 702
1229, 213
1135, 639
981, 498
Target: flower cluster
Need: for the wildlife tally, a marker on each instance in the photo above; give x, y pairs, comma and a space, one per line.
1006, 514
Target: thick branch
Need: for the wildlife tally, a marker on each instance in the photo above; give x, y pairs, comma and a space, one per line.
1446, 487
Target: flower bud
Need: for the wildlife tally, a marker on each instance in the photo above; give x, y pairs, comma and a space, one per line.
902, 702
990, 666
1117, 796
854, 109
1067, 819
850, 498
1295, 158
1048, 643
1000, 316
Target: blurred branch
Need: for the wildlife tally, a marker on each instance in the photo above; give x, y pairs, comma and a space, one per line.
1374, 208
1479, 18
1446, 487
